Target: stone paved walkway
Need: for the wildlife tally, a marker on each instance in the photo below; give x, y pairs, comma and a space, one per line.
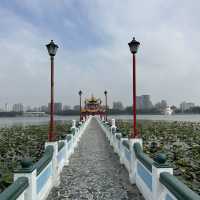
94, 172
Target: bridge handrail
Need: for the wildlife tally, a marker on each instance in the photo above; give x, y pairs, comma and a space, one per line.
61, 145
118, 136
15, 189
142, 157
126, 143
153, 177
44, 161
68, 137
73, 131
177, 188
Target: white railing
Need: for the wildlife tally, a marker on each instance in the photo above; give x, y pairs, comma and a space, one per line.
145, 172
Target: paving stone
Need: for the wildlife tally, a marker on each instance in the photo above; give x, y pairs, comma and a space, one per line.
94, 172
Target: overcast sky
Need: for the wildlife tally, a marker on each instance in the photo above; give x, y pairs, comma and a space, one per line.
93, 54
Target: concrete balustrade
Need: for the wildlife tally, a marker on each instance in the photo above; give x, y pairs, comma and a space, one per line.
16, 190
153, 178
34, 181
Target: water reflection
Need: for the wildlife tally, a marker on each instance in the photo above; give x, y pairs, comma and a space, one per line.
23, 121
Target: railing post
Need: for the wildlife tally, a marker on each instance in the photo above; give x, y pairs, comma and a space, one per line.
73, 123
122, 154
66, 153
157, 168
133, 161
119, 135
79, 131
115, 142
113, 127
29, 171
109, 132
55, 167
74, 130
69, 147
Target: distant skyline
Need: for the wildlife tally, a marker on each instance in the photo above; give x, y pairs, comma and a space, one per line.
5, 106
93, 52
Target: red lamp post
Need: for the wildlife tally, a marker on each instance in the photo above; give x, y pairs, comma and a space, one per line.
80, 94
52, 49
134, 45
106, 111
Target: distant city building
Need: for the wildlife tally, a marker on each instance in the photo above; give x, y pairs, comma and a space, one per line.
186, 106
36, 109
77, 107
28, 108
43, 108
66, 107
161, 105
57, 107
7, 107
117, 105
18, 107
143, 102
138, 102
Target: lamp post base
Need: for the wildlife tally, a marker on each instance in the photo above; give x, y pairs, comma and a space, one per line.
51, 137
134, 134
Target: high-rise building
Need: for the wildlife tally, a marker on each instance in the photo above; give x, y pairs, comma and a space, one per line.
161, 106
66, 107
44, 108
186, 105
117, 105
57, 107
36, 109
77, 107
146, 102
143, 102
138, 102
28, 108
18, 107
7, 107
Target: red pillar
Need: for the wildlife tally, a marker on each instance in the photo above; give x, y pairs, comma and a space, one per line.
80, 109
106, 108
135, 132
51, 135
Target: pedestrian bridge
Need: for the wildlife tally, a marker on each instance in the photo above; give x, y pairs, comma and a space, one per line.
84, 166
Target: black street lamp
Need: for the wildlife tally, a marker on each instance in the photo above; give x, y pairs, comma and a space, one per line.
52, 49
80, 94
106, 110
134, 45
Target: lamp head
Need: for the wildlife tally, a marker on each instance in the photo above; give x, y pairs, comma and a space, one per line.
134, 45
80, 93
52, 48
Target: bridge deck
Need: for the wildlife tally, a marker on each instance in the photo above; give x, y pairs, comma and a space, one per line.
94, 171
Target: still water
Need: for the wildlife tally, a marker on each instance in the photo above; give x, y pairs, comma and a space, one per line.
12, 121
189, 118
15, 121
